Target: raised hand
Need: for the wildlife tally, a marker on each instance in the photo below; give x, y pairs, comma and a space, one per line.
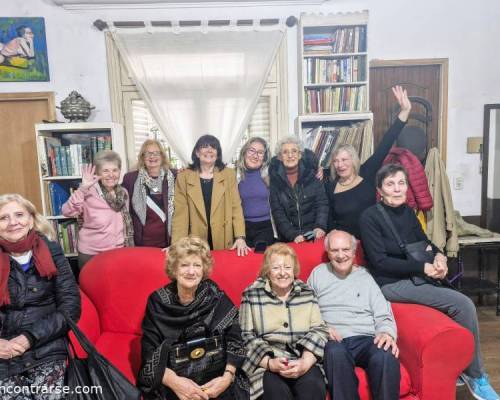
403, 101
89, 178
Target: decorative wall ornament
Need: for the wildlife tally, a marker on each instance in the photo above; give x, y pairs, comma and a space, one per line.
75, 108
23, 50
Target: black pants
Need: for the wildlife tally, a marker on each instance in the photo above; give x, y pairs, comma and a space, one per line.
261, 231
382, 367
310, 386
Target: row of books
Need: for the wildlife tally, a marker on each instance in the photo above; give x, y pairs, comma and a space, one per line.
57, 193
67, 159
335, 99
342, 40
323, 140
67, 232
320, 70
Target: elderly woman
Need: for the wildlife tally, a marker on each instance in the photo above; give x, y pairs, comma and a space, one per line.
191, 309
408, 276
37, 288
298, 201
207, 202
283, 332
151, 190
254, 191
351, 187
101, 205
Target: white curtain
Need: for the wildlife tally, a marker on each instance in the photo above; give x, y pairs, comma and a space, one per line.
200, 80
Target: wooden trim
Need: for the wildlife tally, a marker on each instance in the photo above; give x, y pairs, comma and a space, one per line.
486, 155
22, 96
443, 63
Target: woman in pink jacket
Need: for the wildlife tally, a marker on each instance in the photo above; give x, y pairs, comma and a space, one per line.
101, 206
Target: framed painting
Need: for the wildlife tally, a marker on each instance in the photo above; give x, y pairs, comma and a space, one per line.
23, 50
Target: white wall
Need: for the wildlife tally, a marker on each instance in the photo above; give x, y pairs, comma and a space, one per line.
467, 33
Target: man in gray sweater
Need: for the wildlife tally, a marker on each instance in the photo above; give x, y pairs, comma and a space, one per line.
361, 324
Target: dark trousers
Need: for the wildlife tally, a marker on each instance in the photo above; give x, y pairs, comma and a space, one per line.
261, 231
310, 386
382, 367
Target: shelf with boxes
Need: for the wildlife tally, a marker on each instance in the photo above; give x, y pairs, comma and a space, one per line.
63, 148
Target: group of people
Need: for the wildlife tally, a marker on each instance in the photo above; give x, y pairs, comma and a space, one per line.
288, 335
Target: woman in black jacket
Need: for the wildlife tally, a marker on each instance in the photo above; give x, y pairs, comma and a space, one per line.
298, 201
37, 288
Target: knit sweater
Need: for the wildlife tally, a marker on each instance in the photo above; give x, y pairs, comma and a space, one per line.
353, 305
254, 195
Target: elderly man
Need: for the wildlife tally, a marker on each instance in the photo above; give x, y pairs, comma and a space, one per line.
360, 321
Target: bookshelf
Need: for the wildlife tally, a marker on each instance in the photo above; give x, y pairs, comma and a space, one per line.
62, 149
333, 72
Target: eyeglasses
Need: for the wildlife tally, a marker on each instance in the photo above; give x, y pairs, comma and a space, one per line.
152, 153
259, 153
277, 268
291, 152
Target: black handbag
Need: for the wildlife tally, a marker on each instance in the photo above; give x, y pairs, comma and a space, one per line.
198, 355
417, 250
105, 381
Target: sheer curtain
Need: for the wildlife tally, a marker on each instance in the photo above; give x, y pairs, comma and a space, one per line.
199, 80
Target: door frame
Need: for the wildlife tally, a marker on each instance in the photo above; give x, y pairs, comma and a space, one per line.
23, 96
442, 114
485, 163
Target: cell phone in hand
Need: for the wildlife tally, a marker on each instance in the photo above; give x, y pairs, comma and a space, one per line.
309, 236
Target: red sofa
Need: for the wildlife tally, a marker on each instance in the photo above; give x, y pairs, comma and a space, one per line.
115, 286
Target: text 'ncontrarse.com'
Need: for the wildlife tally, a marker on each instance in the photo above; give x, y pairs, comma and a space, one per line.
34, 389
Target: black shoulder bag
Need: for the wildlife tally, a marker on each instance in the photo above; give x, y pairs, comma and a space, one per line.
418, 251
95, 372
198, 355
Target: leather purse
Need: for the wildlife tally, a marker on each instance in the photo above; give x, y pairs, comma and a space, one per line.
199, 358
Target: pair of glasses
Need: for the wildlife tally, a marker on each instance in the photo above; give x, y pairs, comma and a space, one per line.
259, 153
152, 154
292, 152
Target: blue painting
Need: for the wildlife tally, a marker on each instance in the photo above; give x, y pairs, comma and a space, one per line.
23, 50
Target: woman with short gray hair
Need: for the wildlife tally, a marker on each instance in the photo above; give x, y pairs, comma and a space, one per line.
101, 206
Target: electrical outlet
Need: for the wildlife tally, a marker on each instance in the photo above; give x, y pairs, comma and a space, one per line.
458, 183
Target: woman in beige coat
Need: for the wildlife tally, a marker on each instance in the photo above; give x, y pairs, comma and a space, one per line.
207, 202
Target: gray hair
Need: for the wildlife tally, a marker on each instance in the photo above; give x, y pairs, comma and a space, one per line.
106, 156
353, 153
354, 241
292, 139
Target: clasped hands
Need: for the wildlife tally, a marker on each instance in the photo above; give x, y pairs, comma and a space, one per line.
438, 269
14, 347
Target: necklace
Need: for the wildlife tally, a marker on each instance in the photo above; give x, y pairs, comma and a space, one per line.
348, 183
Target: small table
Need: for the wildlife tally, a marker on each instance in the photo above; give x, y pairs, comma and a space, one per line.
478, 286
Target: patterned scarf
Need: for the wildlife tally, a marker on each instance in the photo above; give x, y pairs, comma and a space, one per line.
44, 263
117, 201
155, 186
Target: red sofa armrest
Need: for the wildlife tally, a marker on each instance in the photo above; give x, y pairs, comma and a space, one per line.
433, 348
88, 323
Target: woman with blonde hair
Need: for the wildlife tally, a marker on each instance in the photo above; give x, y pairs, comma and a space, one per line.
191, 309
151, 190
283, 332
37, 289
101, 205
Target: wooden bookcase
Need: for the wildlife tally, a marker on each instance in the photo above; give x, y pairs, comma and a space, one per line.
333, 72
62, 149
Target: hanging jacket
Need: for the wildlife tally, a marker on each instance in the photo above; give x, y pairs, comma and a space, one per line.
418, 195
302, 208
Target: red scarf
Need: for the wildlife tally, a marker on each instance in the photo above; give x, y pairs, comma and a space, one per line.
44, 263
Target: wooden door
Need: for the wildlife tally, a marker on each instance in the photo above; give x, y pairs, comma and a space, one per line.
426, 79
19, 112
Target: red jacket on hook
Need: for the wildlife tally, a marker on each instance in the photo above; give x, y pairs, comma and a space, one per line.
418, 195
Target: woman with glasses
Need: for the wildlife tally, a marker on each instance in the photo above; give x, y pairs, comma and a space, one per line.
151, 190
207, 202
282, 330
254, 191
298, 200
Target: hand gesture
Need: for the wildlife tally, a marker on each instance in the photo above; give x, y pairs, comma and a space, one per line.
216, 386
386, 341
334, 335
319, 174
403, 101
89, 178
241, 247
